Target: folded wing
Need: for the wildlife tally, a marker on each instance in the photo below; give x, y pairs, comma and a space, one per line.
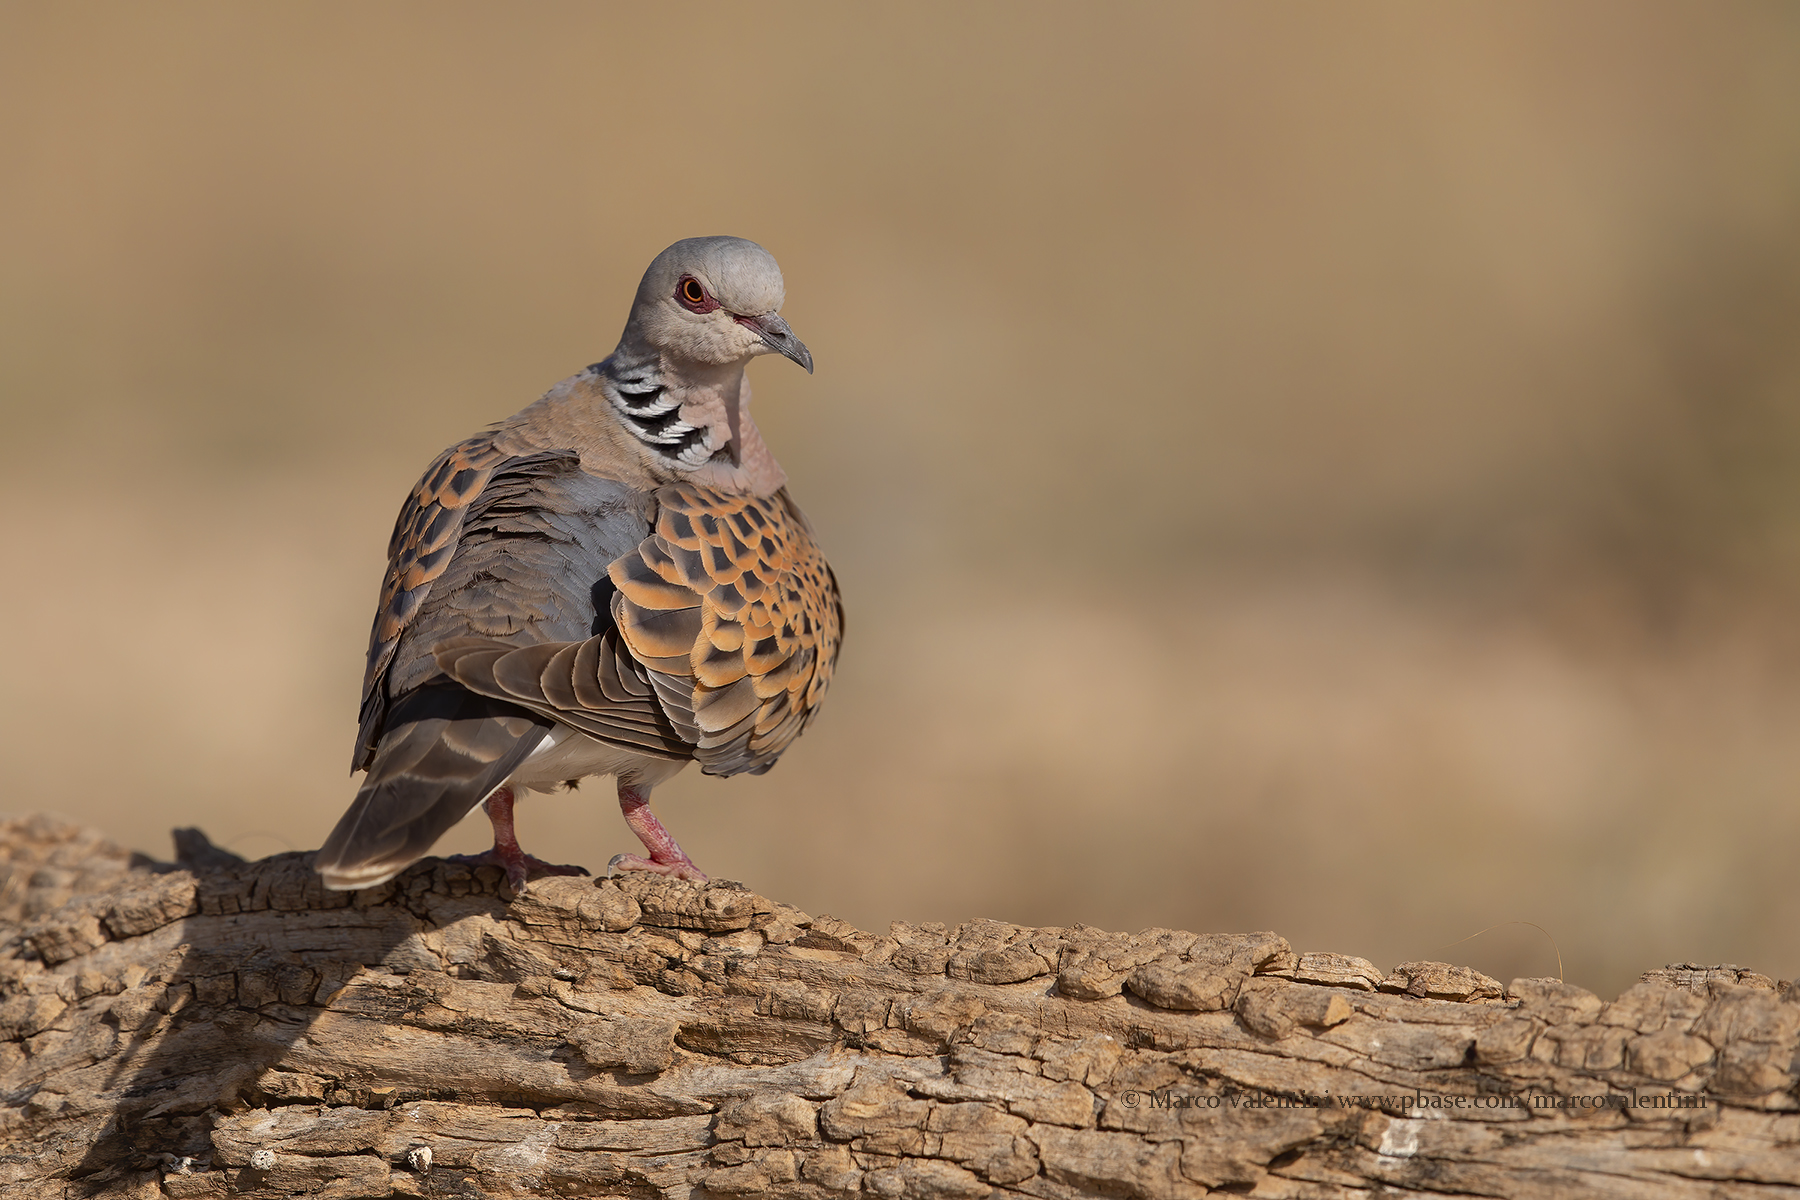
726, 626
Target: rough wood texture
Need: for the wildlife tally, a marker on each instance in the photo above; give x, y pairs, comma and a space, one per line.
229, 1028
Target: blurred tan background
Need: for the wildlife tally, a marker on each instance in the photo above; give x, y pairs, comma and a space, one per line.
1325, 468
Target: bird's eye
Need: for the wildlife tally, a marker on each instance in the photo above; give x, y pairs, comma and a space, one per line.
693, 297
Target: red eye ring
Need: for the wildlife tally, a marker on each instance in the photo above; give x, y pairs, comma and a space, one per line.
692, 295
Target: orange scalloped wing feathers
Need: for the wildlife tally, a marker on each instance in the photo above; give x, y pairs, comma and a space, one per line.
735, 612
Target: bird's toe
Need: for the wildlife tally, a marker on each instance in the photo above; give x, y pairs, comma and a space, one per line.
682, 869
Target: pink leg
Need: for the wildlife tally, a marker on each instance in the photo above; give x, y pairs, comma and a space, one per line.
506, 852
666, 858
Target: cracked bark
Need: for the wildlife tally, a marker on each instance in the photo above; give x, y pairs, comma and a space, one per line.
225, 1028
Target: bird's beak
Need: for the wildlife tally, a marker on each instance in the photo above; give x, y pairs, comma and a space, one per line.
777, 336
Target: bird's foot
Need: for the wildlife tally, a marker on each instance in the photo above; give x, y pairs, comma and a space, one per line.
666, 856
682, 868
518, 865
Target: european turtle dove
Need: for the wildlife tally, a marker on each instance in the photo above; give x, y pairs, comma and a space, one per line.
613, 581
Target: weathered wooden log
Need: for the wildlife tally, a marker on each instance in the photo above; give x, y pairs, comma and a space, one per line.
226, 1028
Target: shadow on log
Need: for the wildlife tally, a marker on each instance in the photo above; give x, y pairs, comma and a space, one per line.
222, 1028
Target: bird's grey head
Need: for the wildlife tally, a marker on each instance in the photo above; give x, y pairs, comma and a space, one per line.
712, 301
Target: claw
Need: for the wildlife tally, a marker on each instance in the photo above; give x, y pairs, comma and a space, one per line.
519, 867
684, 869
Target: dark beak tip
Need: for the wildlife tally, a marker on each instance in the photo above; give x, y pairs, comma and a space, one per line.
791, 347
779, 337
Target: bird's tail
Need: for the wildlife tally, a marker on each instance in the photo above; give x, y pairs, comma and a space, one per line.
444, 751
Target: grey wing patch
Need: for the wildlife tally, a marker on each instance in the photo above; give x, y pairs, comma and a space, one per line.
445, 750
528, 564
